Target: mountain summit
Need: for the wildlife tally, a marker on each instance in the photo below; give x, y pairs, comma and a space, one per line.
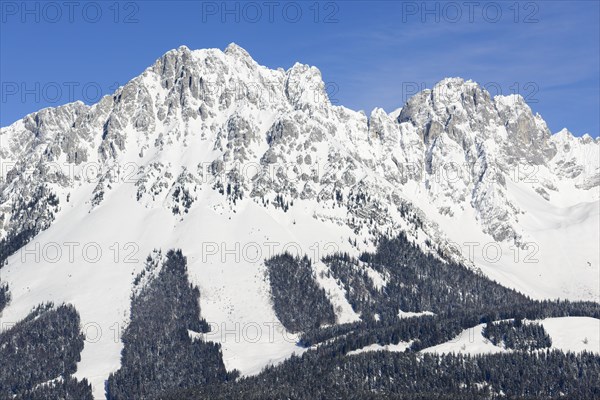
212, 153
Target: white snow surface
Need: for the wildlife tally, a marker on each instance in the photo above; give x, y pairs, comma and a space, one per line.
469, 341
182, 116
398, 348
411, 314
575, 334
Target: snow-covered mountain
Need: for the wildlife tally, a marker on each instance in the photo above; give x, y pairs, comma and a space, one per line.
233, 162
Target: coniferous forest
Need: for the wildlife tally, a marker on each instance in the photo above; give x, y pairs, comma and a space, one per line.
165, 357
39, 354
458, 297
385, 375
515, 334
4, 295
299, 200
159, 353
299, 303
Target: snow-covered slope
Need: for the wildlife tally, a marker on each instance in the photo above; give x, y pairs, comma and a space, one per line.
573, 334
232, 162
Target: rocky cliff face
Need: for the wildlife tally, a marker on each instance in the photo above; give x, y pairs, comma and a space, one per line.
252, 131
209, 146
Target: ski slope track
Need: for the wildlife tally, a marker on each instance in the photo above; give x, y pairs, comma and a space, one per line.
233, 162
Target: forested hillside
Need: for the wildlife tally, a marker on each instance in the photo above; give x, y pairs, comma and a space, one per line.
4, 295
299, 303
460, 298
39, 354
159, 353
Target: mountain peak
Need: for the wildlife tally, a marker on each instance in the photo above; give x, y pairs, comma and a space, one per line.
305, 86
456, 82
239, 53
181, 50
510, 101
207, 138
448, 106
564, 132
233, 48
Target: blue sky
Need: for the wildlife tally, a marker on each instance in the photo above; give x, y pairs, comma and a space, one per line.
370, 53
